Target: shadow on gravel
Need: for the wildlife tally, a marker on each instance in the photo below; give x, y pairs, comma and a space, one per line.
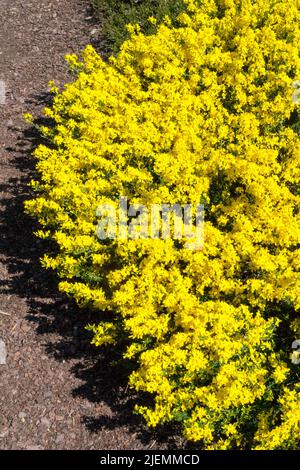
53, 313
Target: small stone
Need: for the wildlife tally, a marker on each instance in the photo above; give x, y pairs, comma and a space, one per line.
3, 433
88, 405
22, 415
2, 92
3, 353
60, 438
45, 422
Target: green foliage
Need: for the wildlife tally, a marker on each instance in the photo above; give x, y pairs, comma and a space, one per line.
116, 14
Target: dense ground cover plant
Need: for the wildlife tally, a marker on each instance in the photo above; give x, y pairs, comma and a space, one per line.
203, 111
114, 15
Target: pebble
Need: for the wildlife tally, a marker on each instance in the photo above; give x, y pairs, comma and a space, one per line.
45, 422
3, 433
60, 438
2, 92
3, 352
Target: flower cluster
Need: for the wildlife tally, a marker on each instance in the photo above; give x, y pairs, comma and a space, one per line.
200, 112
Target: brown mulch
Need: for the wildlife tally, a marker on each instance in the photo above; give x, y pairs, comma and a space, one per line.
56, 391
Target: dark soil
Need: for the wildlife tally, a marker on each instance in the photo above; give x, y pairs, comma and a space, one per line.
57, 392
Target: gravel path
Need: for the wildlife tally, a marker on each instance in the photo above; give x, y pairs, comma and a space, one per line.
56, 393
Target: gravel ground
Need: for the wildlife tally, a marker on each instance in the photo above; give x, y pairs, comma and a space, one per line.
56, 392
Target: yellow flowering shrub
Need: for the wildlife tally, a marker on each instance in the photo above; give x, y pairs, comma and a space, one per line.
200, 112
